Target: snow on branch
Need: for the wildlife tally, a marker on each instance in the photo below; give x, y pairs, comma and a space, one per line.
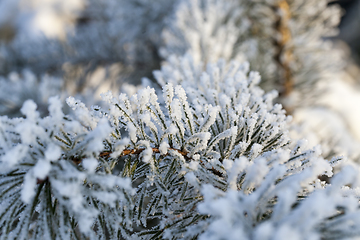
209, 159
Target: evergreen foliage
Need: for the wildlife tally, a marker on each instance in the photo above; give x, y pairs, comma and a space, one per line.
205, 154
148, 168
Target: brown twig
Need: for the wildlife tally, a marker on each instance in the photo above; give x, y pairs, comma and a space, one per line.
285, 55
137, 151
156, 150
78, 160
127, 152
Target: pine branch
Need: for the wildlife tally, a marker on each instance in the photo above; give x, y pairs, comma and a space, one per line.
125, 152
155, 150
198, 158
284, 55
140, 150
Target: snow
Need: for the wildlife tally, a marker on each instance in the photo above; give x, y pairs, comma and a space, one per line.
132, 131
29, 110
53, 152
82, 113
191, 178
325, 126
28, 189
90, 164
176, 113
13, 156
147, 153
164, 148
29, 131
119, 147
96, 137
55, 108
41, 169
193, 165
348, 107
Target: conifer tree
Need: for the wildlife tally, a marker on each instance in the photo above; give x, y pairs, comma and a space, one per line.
148, 168
206, 154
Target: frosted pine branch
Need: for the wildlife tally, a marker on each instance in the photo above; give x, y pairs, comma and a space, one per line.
209, 159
